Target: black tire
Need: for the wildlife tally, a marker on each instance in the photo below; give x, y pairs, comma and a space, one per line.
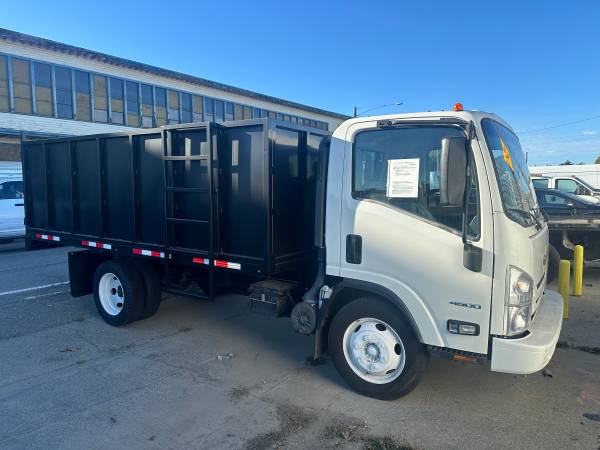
151, 280
553, 263
416, 355
133, 292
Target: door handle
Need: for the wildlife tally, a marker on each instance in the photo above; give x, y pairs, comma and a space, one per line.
353, 248
19, 204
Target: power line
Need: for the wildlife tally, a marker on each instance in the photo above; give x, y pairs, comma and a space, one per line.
564, 124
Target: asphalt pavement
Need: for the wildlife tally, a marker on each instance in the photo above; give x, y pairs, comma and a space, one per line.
202, 375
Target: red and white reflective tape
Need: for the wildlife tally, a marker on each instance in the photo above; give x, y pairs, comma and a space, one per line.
218, 263
140, 251
96, 245
48, 237
228, 265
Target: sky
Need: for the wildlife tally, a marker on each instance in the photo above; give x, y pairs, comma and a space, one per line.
534, 63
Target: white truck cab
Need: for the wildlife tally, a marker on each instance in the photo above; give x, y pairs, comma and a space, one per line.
567, 183
433, 216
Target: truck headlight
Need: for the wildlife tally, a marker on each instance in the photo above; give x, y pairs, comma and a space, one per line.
518, 297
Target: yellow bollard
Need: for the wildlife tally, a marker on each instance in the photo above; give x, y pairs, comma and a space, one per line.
564, 277
578, 270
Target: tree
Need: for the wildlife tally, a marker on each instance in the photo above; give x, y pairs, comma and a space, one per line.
597, 160
566, 163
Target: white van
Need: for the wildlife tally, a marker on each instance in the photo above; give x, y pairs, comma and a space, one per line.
12, 208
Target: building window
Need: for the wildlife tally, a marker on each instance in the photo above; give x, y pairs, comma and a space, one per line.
264, 113
228, 111
83, 103
239, 112
247, 112
100, 99
209, 115
3, 84
255, 113
64, 93
133, 103
173, 107
186, 107
21, 78
147, 107
43, 89
287, 118
219, 111
198, 108
117, 110
161, 106
272, 115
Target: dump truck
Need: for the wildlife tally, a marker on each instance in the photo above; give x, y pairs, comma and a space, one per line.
395, 239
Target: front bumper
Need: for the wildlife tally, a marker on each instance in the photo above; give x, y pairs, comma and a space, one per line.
532, 352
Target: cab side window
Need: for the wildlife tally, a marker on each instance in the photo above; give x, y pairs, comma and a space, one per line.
400, 167
11, 190
540, 182
566, 185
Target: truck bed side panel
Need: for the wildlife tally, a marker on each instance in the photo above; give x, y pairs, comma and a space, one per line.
151, 193
87, 181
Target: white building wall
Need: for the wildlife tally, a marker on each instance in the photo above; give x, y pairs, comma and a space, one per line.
139, 76
49, 125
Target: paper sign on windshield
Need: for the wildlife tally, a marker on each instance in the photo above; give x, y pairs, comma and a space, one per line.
403, 178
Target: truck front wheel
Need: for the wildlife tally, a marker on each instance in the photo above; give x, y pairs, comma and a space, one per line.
118, 292
375, 350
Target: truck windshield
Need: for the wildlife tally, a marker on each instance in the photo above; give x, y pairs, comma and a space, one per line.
512, 173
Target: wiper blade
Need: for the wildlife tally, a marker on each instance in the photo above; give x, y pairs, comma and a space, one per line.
529, 214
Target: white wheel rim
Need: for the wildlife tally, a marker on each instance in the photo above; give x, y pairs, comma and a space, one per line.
111, 294
374, 351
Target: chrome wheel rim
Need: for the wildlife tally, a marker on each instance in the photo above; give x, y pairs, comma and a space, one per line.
374, 351
111, 294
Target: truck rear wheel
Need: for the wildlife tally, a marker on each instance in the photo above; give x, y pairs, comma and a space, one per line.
118, 292
152, 288
375, 350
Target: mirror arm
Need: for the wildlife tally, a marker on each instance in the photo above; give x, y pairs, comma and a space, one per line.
470, 133
472, 255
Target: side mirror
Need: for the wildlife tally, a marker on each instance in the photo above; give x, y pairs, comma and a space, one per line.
453, 171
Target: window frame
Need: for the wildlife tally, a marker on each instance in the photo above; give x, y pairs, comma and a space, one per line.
88, 93
56, 91
11, 82
443, 124
36, 84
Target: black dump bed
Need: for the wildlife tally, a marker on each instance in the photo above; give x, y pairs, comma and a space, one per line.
151, 193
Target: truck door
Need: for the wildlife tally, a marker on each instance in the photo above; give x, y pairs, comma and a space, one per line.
395, 233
